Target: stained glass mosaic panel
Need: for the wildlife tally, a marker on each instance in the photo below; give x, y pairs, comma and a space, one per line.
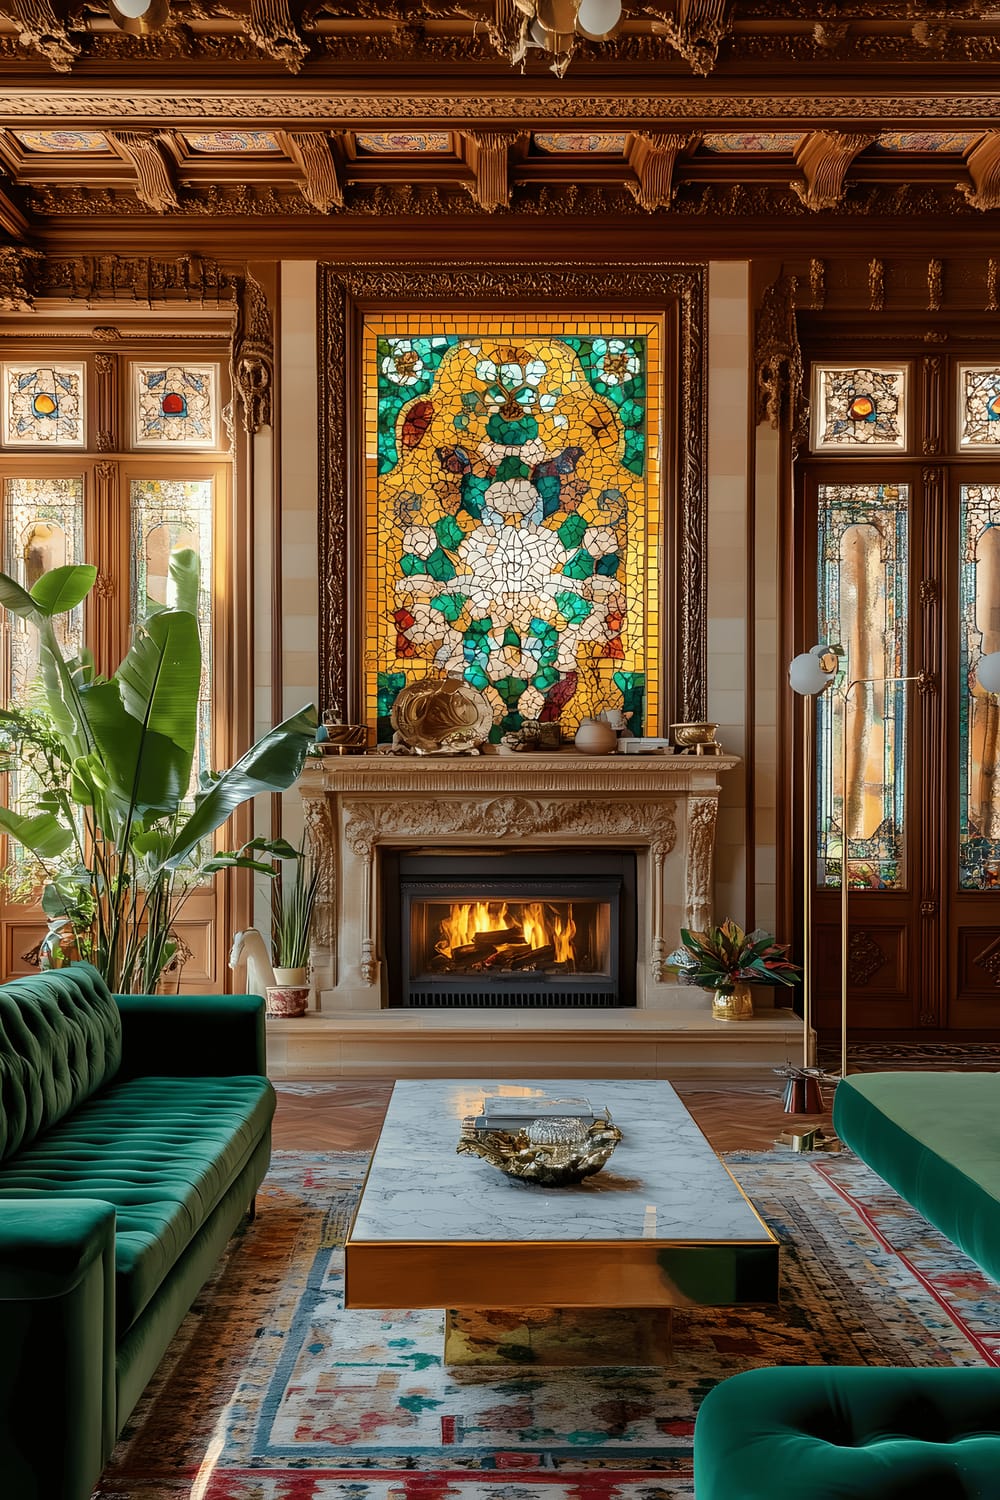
229, 142
978, 406
978, 710
43, 529
752, 140
75, 141
609, 142
43, 406
863, 536
859, 408
167, 516
928, 140
175, 406
513, 514
410, 141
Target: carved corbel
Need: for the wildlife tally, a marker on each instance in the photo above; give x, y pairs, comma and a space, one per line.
508, 30
824, 157
652, 159
694, 30
486, 152
154, 183
983, 164
17, 279
778, 358
40, 28
321, 187
270, 27
252, 365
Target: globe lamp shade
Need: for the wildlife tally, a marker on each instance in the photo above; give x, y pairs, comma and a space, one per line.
598, 18
988, 672
139, 17
812, 671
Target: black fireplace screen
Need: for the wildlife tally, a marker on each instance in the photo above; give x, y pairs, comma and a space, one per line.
511, 930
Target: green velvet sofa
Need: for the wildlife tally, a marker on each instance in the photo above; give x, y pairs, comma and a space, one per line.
794, 1433
134, 1133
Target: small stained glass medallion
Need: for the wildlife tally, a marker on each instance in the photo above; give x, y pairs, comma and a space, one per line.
978, 407
412, 142
77, 142
576, 143
43, 406
231, 142
175, 406
859, 408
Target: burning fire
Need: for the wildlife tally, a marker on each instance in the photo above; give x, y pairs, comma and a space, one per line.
533, 923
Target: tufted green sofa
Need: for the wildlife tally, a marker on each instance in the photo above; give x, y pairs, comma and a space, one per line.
792, 1433
134, 1133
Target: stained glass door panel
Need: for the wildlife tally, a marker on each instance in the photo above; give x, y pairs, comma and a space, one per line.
979, 711
513, 514
863, 602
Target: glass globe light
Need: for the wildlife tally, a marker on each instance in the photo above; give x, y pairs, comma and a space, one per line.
988, 672
598, 18
812, 671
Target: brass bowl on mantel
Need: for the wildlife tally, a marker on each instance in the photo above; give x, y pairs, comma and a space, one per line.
697, 737
344, 739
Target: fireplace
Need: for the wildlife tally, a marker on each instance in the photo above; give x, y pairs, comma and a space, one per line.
531, 929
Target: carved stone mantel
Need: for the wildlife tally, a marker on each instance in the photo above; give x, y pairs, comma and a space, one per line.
664, 807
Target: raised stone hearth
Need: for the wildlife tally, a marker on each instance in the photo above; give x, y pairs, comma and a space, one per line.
661, 807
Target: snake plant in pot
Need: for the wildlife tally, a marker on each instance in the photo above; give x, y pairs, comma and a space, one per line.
110, 817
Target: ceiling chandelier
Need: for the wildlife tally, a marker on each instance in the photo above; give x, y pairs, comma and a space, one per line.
554, 25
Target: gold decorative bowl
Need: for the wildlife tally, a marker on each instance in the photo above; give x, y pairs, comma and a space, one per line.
344, 739
554, 1152
691, 735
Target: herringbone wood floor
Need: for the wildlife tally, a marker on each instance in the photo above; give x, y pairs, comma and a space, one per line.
345, 1115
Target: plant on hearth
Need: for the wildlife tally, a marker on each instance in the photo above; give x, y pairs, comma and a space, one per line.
293, 900
119, 836
722, 957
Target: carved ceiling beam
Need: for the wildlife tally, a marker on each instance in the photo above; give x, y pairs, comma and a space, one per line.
652, 159
321, 186
271, 28
824, 157
486, 152
154, 181
40, 28
17, 278
983, 163
694, 29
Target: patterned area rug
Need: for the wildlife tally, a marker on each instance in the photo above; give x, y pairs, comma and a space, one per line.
272, 1392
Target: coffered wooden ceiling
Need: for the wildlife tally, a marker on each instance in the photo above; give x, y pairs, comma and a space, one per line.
327, 128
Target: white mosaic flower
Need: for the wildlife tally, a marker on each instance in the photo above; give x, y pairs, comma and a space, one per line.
404, 365
615, 361
513, 497
420, 540
600, 541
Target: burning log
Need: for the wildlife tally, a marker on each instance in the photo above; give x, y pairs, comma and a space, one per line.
466, 950
534, 957
499, 937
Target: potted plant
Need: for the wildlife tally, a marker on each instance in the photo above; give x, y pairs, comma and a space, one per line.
293, 899
728, 961
119, 839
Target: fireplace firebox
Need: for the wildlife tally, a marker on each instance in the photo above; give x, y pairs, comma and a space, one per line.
530, 929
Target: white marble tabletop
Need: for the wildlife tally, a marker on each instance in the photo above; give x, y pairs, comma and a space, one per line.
663, 1183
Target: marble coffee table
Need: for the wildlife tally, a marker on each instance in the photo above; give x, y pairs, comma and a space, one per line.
664, 1225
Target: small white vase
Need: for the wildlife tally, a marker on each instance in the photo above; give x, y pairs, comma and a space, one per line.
285, 977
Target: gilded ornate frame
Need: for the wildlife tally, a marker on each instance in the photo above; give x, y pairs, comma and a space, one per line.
678, 293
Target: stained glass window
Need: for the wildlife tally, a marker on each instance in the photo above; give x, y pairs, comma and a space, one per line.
43, 406
43, 529
859, 408
513, 514
175, 406
169, 517
979, 406
979, 711
863, 555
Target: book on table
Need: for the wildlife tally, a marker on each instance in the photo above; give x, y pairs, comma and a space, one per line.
503, 1112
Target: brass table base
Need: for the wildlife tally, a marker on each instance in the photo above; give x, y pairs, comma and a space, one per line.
558, 1336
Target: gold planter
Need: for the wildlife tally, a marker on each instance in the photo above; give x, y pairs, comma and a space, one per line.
733, 1005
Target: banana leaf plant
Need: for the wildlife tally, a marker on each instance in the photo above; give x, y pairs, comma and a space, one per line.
113, 827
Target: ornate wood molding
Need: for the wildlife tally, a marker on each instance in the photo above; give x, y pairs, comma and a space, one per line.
154, 181
983, 163
41, 29
87, 278
652, 158
322, 188
487, 153
824, 157
271, 28
694, 30
778, 358
252, 363
344, 296
106, 367
18, 273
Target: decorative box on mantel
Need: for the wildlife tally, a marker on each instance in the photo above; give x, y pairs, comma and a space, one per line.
367, 815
